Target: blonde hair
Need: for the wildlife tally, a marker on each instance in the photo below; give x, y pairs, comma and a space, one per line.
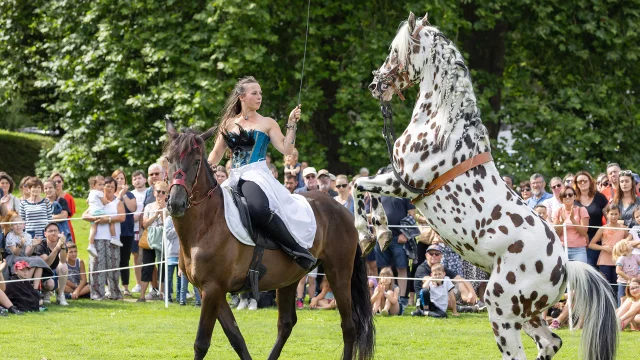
161, 185
620, 249
93, 180
438, 266
233, 107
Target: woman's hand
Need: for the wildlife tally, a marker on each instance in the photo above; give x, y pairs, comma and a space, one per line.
3, 264
573, 218
36, 241
74, 295
294, 116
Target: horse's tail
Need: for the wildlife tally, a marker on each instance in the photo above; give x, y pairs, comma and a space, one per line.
361, 313
595, 304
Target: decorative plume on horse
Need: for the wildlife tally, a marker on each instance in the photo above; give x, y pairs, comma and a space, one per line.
442, 161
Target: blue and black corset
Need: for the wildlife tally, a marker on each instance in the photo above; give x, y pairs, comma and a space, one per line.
246, 146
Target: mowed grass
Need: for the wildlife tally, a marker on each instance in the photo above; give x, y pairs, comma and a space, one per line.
128, 330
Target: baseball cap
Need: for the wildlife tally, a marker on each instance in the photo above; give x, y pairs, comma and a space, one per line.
332, 177
434, 247
323, 172
636, 177
20, 265
309, 170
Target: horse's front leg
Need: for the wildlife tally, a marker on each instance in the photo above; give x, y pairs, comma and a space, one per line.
212, 297
230, 327
385, 184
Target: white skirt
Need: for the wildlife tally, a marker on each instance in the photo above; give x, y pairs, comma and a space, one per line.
293, 209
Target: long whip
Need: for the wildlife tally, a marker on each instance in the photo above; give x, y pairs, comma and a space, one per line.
304, 58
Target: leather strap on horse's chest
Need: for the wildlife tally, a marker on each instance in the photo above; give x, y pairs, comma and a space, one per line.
453, 173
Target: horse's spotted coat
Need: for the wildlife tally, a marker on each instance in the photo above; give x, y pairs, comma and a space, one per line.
477, 214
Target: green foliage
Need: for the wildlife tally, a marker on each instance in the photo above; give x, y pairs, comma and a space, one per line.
107, 72
20, 152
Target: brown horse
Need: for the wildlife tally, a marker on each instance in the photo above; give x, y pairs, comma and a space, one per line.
217, 263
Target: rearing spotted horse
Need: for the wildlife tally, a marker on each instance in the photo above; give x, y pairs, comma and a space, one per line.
443, 161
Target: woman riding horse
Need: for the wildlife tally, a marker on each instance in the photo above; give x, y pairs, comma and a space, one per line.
286, 218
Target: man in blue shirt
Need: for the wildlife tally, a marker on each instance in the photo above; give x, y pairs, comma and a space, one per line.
537, 189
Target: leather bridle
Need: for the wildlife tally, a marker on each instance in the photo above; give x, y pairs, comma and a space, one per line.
191, 193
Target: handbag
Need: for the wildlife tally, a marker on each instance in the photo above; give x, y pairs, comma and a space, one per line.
144, 241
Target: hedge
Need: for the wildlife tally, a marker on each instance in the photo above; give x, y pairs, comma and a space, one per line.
20, 152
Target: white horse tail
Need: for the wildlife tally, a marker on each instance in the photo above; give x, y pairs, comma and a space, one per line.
595, 304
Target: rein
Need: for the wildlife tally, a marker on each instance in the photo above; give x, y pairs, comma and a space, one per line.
191, 202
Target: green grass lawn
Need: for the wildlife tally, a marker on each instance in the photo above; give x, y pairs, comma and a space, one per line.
128, 330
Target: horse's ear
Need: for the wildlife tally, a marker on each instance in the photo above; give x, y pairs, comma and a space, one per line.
412, 22
425, 20
171, 130
209, 133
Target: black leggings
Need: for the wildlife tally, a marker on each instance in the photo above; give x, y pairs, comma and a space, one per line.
125, 255
257, 202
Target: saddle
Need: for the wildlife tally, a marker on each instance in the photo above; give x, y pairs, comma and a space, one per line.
256, 269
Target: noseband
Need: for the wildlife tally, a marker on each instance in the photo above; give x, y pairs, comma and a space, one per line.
191, 193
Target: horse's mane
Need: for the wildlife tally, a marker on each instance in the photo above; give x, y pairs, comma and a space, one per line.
183, 143
401, 43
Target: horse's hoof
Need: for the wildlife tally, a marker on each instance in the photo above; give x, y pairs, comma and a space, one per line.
384, 239
367, 244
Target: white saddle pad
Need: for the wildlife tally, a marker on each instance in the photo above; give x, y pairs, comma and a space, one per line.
232, 216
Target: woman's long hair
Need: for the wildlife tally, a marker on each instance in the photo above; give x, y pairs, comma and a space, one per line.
617, 198
233, 107
592, 184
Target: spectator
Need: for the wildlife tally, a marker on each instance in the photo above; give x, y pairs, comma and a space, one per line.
627, 265
221, 174
71, 202
385, 299
54, 253
35, 211
127, 234
153, 218
77, 286
324, 181
60, 208
5, 302
325, 300
184, 284
291, 182
344, 197
303, 165
7, 185
464, 288
293, 167
602, 182
567, 180
172, 248
625, 197
274, 170
97, 202
108, 253
364, 172
333, 182
139, 191
554, 202
629, 311
156, 174
538, 191
594, 202
508, 179
310, 280
576, 218
435, 294
613, 172
24, 188
450, 259
395, 255
311, 183
610, 235
542, 211
525, 190
634, 232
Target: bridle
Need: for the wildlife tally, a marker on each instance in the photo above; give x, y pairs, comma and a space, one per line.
191, 193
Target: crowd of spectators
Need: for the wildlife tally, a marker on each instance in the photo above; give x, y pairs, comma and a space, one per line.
45, 246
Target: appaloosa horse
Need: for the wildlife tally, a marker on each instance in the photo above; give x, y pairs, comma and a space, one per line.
217, 263
442, 160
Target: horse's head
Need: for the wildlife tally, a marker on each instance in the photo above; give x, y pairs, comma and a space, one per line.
186, 153
400, 70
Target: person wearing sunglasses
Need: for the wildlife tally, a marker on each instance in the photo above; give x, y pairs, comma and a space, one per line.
625, 197
58, 180
576, 219
568, 180
525, 190
555, 202
594, 202
7, 185
310, 176
344, 194
602, 182
153, 218
108, 253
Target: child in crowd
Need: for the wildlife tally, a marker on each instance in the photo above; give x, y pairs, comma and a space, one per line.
627, 265
23, 296
634, 233
293, 167
325, 299
20, 245
629, 311
542, 211
385, 296
77, 285
172, 247
435, 294
97, 201
610, 234
372, 282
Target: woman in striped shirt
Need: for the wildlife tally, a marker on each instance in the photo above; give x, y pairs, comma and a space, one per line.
35, 210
